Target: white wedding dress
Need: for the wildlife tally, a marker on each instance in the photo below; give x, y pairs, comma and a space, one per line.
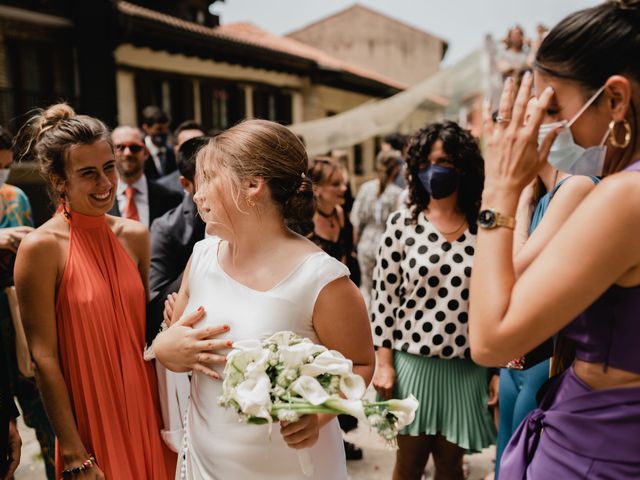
216, 445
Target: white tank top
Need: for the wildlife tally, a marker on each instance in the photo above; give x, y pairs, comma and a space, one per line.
216, 445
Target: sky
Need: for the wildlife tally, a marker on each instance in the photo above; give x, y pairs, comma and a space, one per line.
462, 23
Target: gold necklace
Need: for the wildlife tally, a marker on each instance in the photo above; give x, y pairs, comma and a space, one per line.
464, 220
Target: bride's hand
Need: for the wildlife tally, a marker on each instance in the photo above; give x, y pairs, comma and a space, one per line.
181, 348
301, 434
511, 152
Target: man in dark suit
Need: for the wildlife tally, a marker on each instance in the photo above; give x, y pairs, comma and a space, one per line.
137, 197
161, 160
186, 130
173, 236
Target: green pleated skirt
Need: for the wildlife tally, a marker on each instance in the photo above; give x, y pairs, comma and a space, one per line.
453, 399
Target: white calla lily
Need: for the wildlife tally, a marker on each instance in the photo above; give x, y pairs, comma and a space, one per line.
282, 338
352, 386
294, 355
331, 362
404, 410
259, 364
349, 407
244, 352
310, 389
253, 396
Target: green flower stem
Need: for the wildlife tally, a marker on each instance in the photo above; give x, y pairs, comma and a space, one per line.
303, 409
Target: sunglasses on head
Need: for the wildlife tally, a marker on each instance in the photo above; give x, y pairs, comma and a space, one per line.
133, 147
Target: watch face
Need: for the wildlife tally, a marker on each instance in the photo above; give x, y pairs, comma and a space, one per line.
487, 218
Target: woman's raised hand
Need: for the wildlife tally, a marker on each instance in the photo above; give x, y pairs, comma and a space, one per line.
511, 152
181, 348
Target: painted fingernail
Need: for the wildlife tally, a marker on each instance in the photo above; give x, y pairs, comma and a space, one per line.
200, 309
527, 75
229, 343
226, 327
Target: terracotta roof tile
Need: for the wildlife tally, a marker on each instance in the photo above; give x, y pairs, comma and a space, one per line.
249, 34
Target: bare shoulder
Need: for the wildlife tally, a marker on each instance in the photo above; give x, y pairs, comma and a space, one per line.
572, 192
45, 247
579, 182
613, 204
46, 238
130, 231
623, 188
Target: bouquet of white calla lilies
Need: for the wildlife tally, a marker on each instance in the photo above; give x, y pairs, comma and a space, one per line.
287, 376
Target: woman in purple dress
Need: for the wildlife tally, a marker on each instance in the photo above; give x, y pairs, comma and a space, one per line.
585, 283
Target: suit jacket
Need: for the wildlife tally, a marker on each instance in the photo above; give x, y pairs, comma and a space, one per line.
8, 408
173, 236
150, 169
172, 181
161, 199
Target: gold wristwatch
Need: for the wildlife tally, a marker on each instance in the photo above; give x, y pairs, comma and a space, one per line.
489, 218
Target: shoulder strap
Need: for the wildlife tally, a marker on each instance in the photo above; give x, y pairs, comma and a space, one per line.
594, 179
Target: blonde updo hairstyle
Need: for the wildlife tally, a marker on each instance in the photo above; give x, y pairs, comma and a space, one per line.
260, 148
49, 135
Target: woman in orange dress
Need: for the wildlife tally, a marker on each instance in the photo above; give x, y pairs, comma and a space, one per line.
81, 281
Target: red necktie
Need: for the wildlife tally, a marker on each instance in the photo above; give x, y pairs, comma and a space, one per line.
130, 209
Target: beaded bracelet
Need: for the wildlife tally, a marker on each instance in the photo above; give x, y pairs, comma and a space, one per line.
86, 465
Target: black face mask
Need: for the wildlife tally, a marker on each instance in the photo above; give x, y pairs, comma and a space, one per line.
439, 181
159, 139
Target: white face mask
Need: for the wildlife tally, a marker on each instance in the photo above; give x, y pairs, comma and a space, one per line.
566, 156
4, 175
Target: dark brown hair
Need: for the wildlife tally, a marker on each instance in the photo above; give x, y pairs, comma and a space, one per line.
591, 45
49, 135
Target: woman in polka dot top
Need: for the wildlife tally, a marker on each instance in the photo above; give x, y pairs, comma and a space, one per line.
419, 310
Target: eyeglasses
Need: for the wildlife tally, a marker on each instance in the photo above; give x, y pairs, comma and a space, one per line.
133, 147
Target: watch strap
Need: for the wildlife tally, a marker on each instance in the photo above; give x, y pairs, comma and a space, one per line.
505, 221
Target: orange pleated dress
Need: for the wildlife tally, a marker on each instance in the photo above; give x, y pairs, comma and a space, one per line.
100, 314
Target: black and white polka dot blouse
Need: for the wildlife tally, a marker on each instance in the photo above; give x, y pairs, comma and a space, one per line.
421, 289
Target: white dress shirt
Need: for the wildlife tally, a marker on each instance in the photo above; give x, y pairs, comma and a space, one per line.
141, 198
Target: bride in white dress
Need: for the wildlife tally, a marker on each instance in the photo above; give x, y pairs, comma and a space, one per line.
255, 277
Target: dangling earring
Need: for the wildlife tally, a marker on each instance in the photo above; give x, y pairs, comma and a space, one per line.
63, 205
627, 134
250, 202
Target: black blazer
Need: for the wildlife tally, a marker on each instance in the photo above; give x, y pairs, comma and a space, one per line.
173, 236
171, 181
161, 200
150, 169
8, 408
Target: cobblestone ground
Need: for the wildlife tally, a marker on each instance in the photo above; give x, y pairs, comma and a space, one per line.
377, 463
